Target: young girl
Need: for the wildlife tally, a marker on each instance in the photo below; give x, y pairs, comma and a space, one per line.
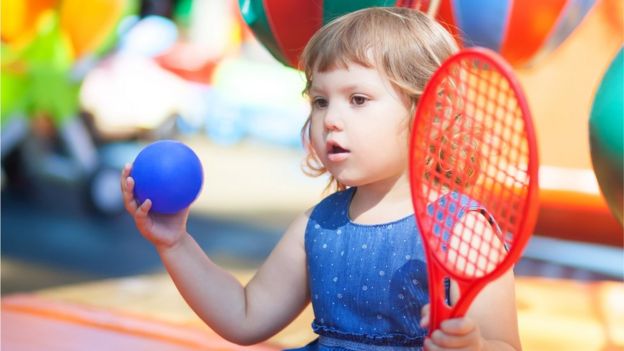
357, 255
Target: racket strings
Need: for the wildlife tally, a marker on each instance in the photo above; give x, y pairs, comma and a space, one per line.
473, 145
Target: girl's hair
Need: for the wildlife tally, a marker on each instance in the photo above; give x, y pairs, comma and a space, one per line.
405, 45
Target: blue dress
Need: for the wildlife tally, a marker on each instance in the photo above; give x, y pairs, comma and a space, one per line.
368, 283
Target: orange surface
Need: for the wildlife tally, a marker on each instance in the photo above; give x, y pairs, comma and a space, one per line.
556, 314
577, 216
146, 313
34, 323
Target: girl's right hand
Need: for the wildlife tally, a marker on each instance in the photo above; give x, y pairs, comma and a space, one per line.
162, 230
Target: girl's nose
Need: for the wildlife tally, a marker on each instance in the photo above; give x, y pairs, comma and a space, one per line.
332, 121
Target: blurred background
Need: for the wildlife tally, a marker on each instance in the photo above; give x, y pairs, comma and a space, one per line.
82, 96
86, 85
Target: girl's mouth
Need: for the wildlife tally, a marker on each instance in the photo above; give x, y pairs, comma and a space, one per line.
336, 153
337, 149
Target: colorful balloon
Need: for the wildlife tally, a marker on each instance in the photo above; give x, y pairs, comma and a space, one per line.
19, 19
285, 26
48, 60
88, 23
41, 41
522, 31
606, 128
12, 95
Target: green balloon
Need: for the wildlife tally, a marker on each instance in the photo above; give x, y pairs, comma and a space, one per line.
334, 9
254, 15
51, 90
606, 129
14, 87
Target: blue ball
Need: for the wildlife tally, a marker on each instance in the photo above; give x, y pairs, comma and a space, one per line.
168, 173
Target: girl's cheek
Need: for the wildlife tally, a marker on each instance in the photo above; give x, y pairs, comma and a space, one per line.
315, 145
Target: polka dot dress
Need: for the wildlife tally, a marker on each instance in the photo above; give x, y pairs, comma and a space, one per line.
368, 282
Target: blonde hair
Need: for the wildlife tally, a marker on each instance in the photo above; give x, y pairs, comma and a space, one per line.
405, 45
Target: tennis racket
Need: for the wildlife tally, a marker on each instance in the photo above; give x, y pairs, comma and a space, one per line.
473, 176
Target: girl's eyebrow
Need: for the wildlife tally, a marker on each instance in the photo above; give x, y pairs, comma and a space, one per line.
350, 88
313, 90
343, 89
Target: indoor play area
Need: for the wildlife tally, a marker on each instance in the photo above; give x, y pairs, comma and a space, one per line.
88, 85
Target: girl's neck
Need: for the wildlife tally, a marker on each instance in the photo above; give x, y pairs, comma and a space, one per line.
382, 202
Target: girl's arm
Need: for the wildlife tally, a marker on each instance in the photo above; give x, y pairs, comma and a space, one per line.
494, 310
244, 315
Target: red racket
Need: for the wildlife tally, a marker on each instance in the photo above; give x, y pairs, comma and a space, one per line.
473, 176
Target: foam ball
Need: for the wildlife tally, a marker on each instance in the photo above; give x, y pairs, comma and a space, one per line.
606, 126
168, 173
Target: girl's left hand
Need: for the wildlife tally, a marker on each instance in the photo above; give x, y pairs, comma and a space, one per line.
454, 334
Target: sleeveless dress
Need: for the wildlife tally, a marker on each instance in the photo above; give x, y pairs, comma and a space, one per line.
368, 283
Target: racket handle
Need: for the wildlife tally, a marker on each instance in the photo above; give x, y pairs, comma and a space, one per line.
438, 294
439, 312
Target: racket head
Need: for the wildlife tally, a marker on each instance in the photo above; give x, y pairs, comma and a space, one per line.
472, 144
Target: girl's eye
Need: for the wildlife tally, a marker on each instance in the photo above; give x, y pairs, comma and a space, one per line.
359, 100
319, 103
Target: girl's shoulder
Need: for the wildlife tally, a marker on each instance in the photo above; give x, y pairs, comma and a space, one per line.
332, 203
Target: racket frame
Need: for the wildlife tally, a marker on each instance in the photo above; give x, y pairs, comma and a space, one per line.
437, 272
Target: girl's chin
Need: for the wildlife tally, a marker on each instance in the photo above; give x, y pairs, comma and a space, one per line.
348, 181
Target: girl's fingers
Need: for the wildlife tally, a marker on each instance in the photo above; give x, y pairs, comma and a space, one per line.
126, 169
458, 333
445, 341
141, 214
458, 326
125, 173
424, 320
143, 210
128, 194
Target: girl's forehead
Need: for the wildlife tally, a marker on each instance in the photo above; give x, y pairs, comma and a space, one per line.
328, 62
348, 75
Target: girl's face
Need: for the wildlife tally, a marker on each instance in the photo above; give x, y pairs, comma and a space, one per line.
359, 125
